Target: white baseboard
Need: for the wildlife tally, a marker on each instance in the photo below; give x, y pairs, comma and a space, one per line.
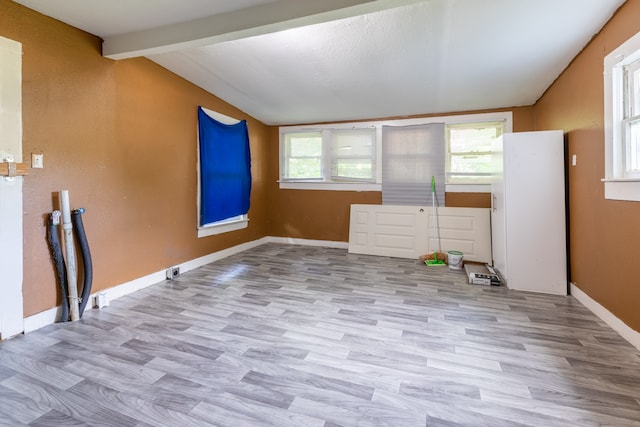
609, 318
48, 317
41, 319
308, 242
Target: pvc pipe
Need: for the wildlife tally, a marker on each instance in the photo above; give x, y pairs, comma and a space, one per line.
72, 276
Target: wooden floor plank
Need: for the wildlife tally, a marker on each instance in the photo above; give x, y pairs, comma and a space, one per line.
288, 335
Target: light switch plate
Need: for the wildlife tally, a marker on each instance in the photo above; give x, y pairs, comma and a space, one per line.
37, 160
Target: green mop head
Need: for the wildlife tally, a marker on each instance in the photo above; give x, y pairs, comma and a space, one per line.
435, 261
436, 258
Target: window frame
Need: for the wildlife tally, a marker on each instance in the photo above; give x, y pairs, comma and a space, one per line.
286, 154
328, 181
475, 178
618, 183
631, 115
334, 158
288, 184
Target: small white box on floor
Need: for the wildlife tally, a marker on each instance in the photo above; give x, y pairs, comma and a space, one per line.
481, 275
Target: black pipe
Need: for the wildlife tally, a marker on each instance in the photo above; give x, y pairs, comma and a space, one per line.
78, 228
61, 270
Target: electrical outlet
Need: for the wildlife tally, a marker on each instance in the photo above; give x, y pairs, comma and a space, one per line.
101, 300
173, 272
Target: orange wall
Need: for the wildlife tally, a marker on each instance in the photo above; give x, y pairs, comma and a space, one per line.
121, 137
324, 215
604, 234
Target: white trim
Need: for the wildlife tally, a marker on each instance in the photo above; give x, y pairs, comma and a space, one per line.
507, 116
620, 189
224, 253
41, 319
223, 227
352, 186
335, 186
308, 242
606, 316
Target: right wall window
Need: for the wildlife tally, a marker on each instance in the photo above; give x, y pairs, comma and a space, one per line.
631, 120
622, 121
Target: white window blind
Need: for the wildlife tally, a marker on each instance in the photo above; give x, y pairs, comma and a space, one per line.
353, 154
470, 157
411, 155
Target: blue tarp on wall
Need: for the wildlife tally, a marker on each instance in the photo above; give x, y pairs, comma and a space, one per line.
225, 169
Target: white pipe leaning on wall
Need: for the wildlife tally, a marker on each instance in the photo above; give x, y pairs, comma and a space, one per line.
72, 276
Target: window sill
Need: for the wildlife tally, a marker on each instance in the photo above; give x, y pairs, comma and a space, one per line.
356, 186
622, 189
333, 186
211, 230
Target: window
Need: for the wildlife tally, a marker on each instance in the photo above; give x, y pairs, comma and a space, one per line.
348, 156
353, 155
470, 152
224, 173
411, 156
329, 156
631, 120
622, 121
303, 156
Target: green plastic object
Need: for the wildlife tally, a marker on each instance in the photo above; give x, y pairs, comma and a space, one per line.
435, 261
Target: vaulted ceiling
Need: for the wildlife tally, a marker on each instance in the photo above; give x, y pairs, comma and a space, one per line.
305, 61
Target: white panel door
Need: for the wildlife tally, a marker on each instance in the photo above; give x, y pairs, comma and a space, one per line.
467, 230
11, 313
408, 232
388, 230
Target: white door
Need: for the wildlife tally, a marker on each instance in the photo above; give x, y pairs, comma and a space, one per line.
408, 232
389, 230
467, 230
11, 311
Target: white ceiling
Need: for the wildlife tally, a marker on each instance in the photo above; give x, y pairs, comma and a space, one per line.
305, 61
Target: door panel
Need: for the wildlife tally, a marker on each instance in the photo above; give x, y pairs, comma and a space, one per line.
466, 230
408, 231
388, 230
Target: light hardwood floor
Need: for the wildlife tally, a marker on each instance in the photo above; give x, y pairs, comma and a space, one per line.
289, 335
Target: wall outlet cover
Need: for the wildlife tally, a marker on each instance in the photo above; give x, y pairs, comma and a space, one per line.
173, 272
